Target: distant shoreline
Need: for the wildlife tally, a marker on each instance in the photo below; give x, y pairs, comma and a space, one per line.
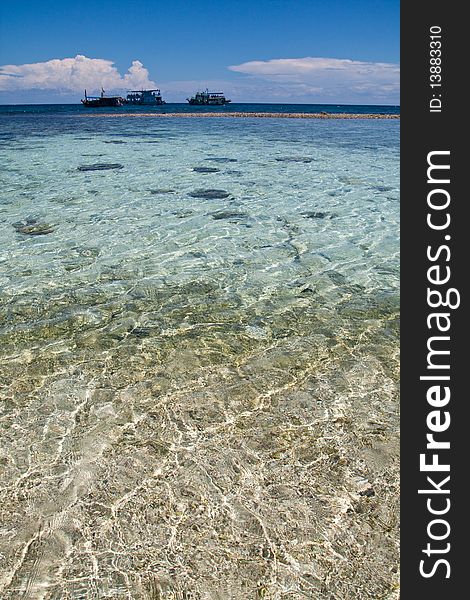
257, 115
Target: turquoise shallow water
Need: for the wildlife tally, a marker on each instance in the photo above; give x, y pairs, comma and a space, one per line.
199, 354
336, 182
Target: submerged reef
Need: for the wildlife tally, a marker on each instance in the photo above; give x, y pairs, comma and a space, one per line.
206, 169
31, 226
100, 167
246, 115
209, 194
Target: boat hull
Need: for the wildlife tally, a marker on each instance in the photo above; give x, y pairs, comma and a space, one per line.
137, 103
96, 103
208, 102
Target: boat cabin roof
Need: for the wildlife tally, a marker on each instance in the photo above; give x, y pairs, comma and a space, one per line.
102, 97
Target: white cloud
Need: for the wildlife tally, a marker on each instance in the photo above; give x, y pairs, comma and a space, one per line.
310, 80
73, 75
336, 79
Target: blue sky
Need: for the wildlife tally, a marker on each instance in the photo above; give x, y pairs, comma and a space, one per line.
264, 50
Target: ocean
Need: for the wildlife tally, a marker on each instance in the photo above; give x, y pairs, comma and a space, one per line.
199, 354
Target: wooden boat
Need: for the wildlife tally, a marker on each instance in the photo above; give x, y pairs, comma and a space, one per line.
102, 100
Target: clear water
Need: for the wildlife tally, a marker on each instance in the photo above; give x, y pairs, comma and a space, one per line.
198, 393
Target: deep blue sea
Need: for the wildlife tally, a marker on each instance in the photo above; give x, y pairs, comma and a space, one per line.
55, 109
199, 354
